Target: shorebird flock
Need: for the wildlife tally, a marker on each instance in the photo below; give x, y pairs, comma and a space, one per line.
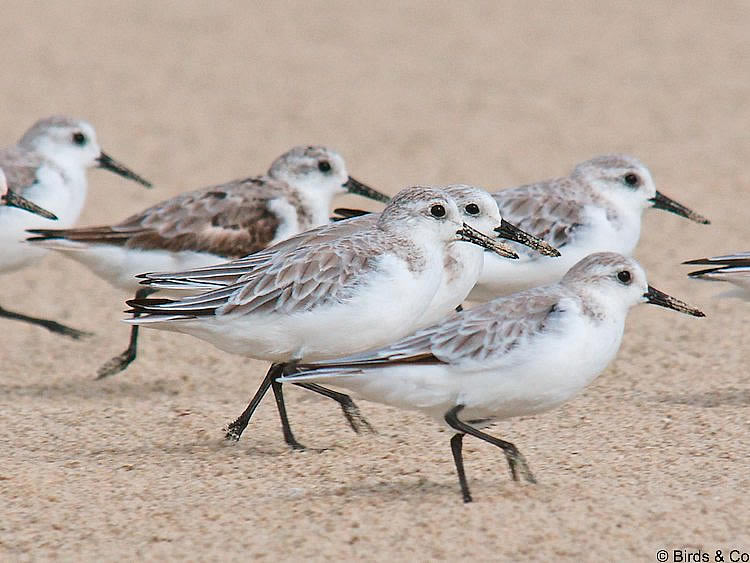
369, 303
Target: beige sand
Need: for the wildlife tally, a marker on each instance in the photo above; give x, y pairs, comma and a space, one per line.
654, 455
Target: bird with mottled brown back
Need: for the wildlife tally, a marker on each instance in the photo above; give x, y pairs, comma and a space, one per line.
209, 225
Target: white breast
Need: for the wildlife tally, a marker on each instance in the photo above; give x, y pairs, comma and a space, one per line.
64, 194
464, 265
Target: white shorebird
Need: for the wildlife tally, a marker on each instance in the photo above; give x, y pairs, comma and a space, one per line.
324, 299
9, 198
209, 225
597, 208
462, 265
48, 166
731, 268
514, 356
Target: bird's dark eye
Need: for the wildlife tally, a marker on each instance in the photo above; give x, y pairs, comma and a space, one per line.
624, 277
472, 209
79, 138
631, 179
437, 211
324, 166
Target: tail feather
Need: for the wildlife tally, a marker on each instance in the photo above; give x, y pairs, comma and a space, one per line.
161, 307
84, 234
343, 213
740, 259
186, 284
208, 277
312, 373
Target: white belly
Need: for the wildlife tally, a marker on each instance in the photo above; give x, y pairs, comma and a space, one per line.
455, 287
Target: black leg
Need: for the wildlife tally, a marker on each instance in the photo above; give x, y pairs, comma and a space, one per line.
459, 308
124, 359
289, 438
516, 461
52, 326
457, 443
351, 411
236, 428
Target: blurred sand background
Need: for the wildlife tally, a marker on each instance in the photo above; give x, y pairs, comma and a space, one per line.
654, 455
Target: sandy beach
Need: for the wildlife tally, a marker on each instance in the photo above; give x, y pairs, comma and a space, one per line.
654, 455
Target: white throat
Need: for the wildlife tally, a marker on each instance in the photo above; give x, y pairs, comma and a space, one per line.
317, 199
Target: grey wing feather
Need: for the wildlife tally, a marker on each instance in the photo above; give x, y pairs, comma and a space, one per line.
488, 331
306, 278
20, 168
295, 282
236, 271
549, 210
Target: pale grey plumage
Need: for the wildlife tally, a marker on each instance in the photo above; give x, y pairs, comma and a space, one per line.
325, 269
552, 210
21, 167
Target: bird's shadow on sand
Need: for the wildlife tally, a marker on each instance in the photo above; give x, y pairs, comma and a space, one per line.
91, 388
710, 399
422, 488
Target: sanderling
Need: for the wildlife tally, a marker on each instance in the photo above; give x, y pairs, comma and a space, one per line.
327, 298
461, 268
9, 198
209, 225
48, 166
514, 356
732, 268
597, 208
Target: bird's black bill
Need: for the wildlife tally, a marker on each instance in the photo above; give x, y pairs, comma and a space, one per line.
656, 297
661, 201
12, 199
469, 234
356, 187
509, 231
108, 163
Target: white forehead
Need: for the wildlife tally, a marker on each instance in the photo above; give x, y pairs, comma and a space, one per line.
465, 194
416, 200
51, 126
602, 265
610, 164
306, 156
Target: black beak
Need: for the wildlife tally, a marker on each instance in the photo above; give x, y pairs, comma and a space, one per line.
509, 231
108, 163
469, 234
656, 297
356, 187
661, 201
12, 199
